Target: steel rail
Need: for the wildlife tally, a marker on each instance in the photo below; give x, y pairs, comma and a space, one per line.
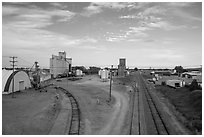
156, 114
74, 128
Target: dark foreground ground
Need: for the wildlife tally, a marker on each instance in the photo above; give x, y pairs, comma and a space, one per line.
30, 113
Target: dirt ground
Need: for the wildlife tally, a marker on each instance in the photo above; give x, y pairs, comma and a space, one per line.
34, 112
29, 113
98, 115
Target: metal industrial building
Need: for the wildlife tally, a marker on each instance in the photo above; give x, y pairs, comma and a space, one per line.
122, 67
60, 64
21, 81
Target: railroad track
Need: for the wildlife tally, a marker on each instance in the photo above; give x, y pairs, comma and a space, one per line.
135, 113
145, 112
74, 128
159, 123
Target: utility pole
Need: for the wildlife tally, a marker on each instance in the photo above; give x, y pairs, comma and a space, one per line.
36, 66
37, 74
13, 61
68, 70
110, 82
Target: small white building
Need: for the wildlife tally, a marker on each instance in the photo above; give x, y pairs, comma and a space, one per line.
175, 83
99, 72
104, 74
79, 72
21, 81
60, 64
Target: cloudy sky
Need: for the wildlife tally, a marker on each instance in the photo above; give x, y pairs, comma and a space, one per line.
146, 34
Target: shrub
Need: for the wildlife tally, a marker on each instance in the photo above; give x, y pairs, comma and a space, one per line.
163, 83
194, 85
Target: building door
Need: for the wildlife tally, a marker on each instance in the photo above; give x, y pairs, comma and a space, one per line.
21, 85
177, 85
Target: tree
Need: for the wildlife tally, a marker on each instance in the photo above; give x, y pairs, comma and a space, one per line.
136, 69
93, 70
194, 85
179, 69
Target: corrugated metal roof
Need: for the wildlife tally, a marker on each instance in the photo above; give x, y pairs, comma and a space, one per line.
5, 75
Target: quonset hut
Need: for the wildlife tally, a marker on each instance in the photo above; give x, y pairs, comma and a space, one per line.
21, 81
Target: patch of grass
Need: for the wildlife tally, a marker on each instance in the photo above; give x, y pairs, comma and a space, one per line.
188, 103
147, 76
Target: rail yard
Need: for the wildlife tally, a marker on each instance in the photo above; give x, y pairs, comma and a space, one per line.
134, 109
102, 68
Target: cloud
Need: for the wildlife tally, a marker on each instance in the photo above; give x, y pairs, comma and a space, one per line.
114, 5
165, 25
179, 4
114, 39
58, 5
98, 7
27, 30
180, 9
132, 34
150, 22
34, 13
137, 31
128, 17
154, 10
8, 10
91, 10
37, 39
185, 15
32, 21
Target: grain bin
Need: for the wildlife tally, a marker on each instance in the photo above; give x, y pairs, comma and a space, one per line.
104, 74
78, 72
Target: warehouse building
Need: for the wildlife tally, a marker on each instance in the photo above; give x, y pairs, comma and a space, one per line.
60, 64
21, 81
192, 74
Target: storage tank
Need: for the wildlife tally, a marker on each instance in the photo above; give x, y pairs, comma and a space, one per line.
104, 74
99, 72
78, 72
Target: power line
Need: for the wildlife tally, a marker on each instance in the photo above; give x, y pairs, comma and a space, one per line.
25, 60
6, 56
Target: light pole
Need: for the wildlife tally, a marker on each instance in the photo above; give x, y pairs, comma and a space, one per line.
110, 81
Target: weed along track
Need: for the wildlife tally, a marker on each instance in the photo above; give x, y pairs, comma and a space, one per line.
74, 128
146, 117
